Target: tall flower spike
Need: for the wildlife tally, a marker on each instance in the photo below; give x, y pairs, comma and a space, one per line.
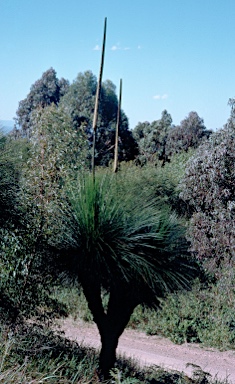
94, 126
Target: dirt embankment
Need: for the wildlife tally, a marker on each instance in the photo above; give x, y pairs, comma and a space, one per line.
155, 350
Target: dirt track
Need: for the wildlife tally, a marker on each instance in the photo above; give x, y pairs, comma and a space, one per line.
155, 350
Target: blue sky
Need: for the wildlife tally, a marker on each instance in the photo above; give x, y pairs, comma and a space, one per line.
171, 54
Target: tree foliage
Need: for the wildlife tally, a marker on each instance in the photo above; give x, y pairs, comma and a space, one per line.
160, 140
55, 152
151, 138
45, 91
12, 156
209, 187
80, 102
162, 182
58, 153
189, 134
21, 277
26, 275
78, 99
8, 182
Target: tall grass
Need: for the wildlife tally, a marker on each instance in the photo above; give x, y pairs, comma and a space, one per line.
36, 355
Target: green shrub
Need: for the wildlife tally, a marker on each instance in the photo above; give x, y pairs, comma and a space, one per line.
204, 315
208, 188
74, 300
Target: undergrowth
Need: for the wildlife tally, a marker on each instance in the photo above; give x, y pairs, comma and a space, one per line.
75, 301
35, 354
205, 315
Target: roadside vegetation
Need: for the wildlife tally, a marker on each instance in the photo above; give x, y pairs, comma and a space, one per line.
37, 355
151, 246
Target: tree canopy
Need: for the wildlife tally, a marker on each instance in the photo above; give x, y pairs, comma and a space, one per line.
80, 101
45, 91
189, 134
151, 138
160, 140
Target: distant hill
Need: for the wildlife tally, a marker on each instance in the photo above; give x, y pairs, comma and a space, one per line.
7, 125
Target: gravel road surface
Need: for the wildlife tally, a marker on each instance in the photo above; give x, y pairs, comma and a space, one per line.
155, 350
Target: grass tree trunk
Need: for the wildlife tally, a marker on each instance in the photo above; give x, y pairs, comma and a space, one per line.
111, 323
119, 311
109, 341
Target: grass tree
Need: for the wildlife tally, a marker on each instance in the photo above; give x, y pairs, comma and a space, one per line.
116, 240
122, 243
111, 235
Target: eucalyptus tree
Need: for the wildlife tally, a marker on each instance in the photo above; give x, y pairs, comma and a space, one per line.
151, 138
45, 91
189, 134
79, 101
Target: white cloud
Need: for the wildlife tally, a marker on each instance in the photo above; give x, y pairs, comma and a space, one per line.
115, 48
160, 97
96, 48
139, 47
118, 47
